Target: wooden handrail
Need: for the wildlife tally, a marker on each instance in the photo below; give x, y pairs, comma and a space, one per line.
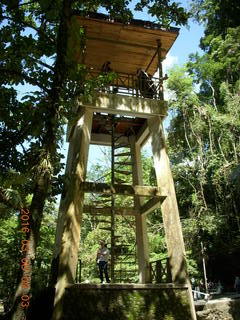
159, 260
130, 84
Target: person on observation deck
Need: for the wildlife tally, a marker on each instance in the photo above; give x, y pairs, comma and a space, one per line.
106, 67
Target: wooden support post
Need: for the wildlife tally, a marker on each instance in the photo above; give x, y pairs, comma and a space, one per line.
160, 69
141, 227
71, 208
169, 208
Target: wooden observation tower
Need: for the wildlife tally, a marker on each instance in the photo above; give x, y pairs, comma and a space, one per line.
123, 114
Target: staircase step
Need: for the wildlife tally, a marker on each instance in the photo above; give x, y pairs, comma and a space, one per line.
106, 228
101, 201
99, 215
104, 221
123, 172
121, 146
124, 163
126, 271
127, 254
95, 214
120, 181
119, 137
123, 245
123, 154
126, 262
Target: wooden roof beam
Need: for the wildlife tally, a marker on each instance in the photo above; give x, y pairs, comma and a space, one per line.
126, 43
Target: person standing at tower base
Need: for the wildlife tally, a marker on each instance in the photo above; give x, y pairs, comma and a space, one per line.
102, 261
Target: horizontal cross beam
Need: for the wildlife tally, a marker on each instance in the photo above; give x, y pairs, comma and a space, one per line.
127, 190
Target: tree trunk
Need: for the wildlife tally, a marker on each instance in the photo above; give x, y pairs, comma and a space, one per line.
44, 178
22, 295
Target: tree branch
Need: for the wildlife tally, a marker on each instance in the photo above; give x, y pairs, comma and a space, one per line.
26, 4
42, 63
4, 200
29, 25
213, 95
21, 5
32, 81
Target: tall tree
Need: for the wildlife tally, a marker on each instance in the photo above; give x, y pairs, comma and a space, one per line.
205, 154
217, 16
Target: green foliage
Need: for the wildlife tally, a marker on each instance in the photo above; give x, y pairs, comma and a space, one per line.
45, 248
204, 138
166, 12
157, 246
217, 15
220, 65
10, 255
10, 252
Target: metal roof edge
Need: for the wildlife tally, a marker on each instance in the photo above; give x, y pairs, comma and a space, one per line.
133, 22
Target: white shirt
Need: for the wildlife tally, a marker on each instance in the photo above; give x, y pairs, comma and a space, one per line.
103, 254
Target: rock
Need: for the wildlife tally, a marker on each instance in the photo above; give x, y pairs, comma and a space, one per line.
222, 309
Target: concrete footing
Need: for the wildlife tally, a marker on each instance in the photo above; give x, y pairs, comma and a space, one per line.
127, 301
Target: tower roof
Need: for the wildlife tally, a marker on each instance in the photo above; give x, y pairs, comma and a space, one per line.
127, 46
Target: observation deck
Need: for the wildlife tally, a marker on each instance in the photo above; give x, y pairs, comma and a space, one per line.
133, 84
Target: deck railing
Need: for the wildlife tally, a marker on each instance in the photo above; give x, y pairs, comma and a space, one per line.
143, 86
160, 271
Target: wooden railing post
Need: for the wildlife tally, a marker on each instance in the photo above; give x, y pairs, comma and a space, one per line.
159, 271
168, 268
129, 84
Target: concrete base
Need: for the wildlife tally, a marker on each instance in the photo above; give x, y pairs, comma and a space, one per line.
225, 308
126, 302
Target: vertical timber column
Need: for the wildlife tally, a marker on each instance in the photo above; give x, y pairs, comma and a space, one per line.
71, 208
169, 208
160, 68
140, 220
